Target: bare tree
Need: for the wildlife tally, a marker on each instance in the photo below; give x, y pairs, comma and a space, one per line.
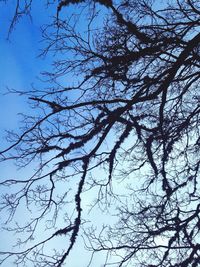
131, 117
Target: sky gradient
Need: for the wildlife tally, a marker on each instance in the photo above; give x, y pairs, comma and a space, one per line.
20, 69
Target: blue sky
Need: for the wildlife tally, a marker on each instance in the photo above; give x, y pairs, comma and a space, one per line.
20, 66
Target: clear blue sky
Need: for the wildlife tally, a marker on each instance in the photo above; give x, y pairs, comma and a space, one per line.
20, 66
19, 63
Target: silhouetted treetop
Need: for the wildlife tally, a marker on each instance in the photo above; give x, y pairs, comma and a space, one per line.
118, 120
